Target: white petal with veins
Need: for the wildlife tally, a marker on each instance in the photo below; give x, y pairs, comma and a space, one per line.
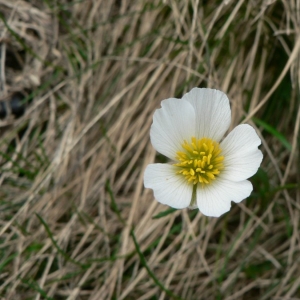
242, 158
214, 199
172, 124
168, 187
213, 115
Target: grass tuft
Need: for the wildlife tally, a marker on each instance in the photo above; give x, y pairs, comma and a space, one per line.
76, 221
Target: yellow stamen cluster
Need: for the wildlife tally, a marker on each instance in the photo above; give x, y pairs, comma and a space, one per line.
200, 161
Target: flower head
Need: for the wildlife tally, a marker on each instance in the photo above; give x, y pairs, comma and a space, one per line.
206, 172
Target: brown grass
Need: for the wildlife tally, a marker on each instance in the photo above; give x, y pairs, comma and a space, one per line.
96, 71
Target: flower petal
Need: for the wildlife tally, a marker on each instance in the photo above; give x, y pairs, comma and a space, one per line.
213, 114
168, 187
214, 200
172, 124
242, 158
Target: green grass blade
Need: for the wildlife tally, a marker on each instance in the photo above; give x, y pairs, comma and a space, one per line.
150, 273
34, 285
164, 213
65, 255
274, 132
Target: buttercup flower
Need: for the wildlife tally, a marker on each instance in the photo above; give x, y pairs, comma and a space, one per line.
206, 172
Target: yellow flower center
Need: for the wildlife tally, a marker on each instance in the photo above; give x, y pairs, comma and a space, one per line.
200, 161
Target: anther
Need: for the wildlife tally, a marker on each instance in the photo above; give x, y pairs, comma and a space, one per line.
199, 162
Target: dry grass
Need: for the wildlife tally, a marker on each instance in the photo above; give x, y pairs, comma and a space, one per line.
72, 166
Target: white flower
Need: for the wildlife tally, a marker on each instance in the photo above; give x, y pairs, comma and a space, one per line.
206, 171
